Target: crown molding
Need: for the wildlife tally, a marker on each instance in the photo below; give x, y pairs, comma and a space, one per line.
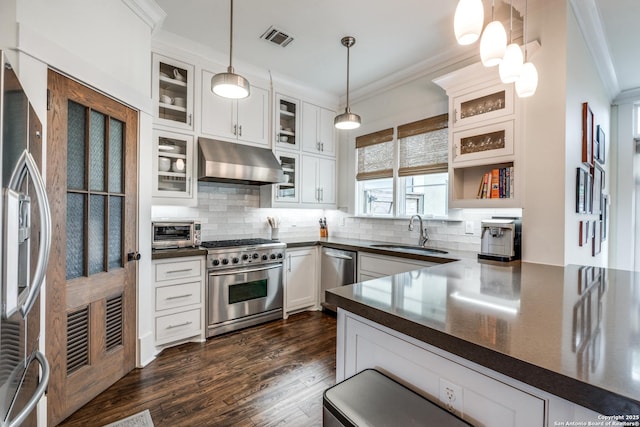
588, 17
148, 11
631, 96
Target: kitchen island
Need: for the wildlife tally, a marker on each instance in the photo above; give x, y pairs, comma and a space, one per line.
566, 338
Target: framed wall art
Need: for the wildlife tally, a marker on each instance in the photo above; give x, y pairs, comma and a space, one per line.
604, 215
596, 239
599, 146
581, 190
584, 233
587, 135
598, 185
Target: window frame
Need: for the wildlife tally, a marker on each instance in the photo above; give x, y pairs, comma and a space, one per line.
398, 209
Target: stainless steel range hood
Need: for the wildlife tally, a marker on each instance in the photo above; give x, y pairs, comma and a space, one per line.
221, 161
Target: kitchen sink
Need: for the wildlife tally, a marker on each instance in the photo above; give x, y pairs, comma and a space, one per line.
410, 248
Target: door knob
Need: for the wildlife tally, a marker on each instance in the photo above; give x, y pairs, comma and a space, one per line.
133, 256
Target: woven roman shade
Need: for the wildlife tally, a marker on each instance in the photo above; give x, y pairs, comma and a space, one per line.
375, 155
423, 146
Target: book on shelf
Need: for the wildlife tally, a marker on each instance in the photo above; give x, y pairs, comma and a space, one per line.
496, 184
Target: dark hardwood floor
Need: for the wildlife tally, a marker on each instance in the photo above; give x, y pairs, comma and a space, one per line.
267, 375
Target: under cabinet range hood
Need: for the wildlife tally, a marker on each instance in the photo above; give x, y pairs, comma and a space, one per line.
221, 161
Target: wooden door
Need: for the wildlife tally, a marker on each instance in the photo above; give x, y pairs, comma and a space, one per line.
91, 287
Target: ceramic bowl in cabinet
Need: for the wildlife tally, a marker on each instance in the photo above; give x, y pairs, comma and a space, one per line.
166, 99
178, 101
164, 164
178, 165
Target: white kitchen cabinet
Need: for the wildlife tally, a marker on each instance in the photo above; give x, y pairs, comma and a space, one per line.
318, 181
174, 166
481, 399
372, 266
318, 131
286, 194
179, 288
484, 136
287, 125
243, 120
301, 279
172, 92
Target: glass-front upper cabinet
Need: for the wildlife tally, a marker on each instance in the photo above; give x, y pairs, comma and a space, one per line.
173, 165
288, 190
173, 83
287, 125
482, 105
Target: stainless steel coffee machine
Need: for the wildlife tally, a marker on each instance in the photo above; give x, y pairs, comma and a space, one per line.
501, 239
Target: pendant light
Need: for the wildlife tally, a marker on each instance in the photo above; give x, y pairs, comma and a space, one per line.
527, 84
511, 65
347, 120
230, 84
493, 42
468, 21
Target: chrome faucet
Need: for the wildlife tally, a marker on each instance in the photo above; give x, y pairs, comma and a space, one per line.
424, 233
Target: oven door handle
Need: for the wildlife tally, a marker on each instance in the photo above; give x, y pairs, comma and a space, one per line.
245, 270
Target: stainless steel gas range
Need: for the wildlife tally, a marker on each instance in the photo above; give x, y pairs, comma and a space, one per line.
244, 283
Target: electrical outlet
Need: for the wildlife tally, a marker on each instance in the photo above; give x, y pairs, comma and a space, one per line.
451, 397
468, 227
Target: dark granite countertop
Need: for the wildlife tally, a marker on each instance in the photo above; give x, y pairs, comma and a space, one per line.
571, 331
371, 246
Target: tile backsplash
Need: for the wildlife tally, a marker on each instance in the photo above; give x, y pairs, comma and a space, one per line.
233, 211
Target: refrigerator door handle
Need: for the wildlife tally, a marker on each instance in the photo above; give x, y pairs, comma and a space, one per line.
26, 166
37, 394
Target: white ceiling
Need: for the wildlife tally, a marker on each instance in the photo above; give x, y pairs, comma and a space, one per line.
391, 36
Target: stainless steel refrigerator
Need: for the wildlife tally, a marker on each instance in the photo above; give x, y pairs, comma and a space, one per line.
25, 233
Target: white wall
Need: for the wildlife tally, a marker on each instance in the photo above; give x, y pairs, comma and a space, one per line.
103, 44
583, 85
544, 138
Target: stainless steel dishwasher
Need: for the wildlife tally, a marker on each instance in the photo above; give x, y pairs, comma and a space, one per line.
338, 269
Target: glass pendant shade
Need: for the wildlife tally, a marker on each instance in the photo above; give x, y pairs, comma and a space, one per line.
347, 120
527, 84
511, 65
493, 44
230, 85
468, 21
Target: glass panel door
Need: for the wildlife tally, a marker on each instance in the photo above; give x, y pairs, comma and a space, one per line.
94, 192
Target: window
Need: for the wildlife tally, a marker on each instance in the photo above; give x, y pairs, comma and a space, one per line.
411, 170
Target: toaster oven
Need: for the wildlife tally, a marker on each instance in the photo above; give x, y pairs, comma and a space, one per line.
175, 234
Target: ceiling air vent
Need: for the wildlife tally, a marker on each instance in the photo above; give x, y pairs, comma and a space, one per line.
276, 36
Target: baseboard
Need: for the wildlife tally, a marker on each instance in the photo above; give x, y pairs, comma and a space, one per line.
146, 350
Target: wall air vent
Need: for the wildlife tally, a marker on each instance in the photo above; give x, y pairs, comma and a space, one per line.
277, 36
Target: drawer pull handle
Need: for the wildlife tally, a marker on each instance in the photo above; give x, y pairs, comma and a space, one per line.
179, 271
179, 325
180, 296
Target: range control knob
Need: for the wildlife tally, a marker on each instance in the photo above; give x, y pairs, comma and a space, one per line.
235, 260
215, 262
272, 256
225, 261
245, 257
280, 255
264, 257
255, 255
